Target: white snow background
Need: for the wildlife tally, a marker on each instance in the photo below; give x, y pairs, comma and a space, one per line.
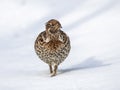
94, 30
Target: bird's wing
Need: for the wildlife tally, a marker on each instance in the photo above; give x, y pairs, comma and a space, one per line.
41, 39
63, 37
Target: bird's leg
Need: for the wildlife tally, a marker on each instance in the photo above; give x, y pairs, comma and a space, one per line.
55, 70
50, 66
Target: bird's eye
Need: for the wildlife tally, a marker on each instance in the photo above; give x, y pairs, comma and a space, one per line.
48, 25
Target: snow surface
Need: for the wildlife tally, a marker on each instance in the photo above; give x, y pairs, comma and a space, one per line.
94, 30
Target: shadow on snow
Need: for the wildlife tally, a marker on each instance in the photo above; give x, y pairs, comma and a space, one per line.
87, 64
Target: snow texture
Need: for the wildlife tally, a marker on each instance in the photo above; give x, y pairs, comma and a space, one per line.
94, 30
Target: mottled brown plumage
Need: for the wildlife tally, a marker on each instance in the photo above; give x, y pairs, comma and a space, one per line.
52, 45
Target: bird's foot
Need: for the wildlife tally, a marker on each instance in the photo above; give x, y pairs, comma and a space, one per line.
53, 74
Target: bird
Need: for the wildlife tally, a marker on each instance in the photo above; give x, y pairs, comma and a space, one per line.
52, 45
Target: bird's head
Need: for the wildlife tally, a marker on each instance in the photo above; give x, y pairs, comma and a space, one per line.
53, 26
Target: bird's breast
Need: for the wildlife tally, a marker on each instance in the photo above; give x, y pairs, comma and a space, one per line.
53, 45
